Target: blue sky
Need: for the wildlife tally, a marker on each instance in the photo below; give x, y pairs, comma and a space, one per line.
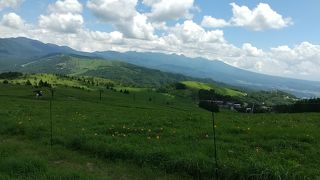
304, 14
272, 37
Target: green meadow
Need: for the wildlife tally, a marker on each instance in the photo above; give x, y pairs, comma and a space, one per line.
147, 135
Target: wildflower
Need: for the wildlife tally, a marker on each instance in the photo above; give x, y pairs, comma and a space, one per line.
215, 126
20, 122
158, 137
248, 129
96, 134
149, 137
207, 136
149, 130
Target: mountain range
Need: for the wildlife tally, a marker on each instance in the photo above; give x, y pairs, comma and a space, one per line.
16, 53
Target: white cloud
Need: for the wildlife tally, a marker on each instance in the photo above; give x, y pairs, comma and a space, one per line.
66, 6
304, 52
66, 23
113, 10
12, 20
64, 17
135, 31
9, 3
260, 18
302, 61
163, 10
192, 32
251, 50
123, 15
211, 22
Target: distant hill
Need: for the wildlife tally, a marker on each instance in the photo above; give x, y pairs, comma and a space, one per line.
122, 72
216, 70
15, 52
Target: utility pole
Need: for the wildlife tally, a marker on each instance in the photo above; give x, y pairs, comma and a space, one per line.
214, 138
51, 121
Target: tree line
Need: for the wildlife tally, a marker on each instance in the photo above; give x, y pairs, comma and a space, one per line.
306, 105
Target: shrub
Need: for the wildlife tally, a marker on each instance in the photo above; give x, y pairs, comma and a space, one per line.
10, 75
28, 83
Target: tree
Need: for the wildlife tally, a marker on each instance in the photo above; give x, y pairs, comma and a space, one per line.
180, 86
28, 83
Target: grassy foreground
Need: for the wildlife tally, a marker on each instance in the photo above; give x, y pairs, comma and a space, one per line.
146, 135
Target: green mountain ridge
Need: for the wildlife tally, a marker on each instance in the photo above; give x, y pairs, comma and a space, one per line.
121, 72
17, 51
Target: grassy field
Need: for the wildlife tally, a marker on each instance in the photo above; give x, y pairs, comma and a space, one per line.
218, 89
148, 135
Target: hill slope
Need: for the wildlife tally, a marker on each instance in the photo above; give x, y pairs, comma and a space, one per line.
14, 51
17, 51
216, 70
125, 73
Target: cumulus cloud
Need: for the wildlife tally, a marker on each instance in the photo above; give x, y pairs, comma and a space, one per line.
12, 20
64, 17
135, 31
302, 53
301, 61
67, 23
9, 3
124, 16
252, 51
189, 31
163, 10
113, 10
211, 22
260, 18
66, 6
